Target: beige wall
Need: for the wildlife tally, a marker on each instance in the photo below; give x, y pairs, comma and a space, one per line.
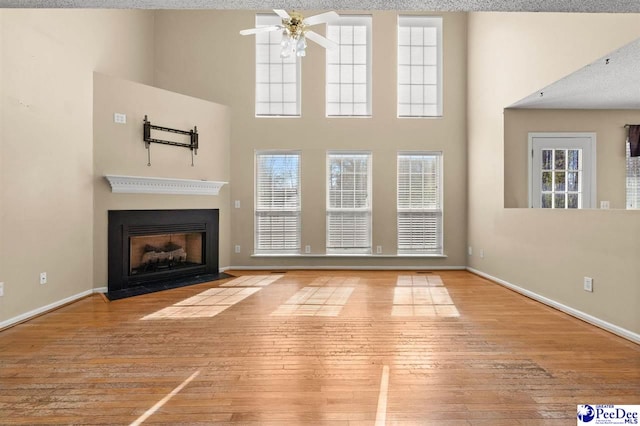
201, 54
47, 180
120, 150
46, 172
608, 125
546, 252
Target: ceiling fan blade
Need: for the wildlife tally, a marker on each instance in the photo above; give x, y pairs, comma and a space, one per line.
322, 41
260, 30
327, 17
282, 13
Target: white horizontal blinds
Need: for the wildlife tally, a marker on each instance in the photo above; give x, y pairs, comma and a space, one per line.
633, 180
419, 66
349, 67
277, 203
419, 203
277, 79
349, 202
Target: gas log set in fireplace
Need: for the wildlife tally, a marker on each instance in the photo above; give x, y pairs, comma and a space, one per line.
160, 252
156, 258
151, 250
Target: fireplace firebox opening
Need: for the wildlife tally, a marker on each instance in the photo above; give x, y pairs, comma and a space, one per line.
152, 250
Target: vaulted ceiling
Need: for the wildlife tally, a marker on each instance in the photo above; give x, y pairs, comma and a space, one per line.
612, 82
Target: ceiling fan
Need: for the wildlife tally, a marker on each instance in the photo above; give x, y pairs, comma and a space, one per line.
295, 32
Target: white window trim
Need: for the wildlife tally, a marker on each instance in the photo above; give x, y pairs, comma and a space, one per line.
368, 209
589, 163
356, 20
436, 22
256, 250
440, 156
277, 20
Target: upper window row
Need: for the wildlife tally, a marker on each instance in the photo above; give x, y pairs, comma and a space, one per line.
348, 69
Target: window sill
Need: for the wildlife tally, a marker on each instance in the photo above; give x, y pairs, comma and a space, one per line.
375, 256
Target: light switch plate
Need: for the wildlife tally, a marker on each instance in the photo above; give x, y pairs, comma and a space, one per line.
119, 118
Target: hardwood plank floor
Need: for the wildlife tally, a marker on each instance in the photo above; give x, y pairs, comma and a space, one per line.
310, 347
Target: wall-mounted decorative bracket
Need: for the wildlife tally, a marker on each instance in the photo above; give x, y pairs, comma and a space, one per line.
148, 140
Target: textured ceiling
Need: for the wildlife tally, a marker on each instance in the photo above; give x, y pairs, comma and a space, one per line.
619, 6
612, 84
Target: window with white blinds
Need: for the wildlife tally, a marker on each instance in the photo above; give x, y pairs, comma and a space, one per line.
277, 202
419, 66
348, 90
633, 180
277, 78
419, 203
348, 202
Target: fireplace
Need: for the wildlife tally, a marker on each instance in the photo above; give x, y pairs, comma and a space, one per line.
152, 250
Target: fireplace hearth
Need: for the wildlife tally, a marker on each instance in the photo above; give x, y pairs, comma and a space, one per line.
153, 250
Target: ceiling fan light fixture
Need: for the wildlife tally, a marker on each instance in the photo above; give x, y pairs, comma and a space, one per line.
285, 39
301, 46
294, 32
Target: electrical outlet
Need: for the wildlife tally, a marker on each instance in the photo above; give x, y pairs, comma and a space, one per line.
43, 277
604, 205
237, 248
378, 249
1, 289
470, 251
481, 253
236, 204
588, 284
307, 249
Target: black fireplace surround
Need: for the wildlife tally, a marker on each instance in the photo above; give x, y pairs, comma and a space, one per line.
161, 271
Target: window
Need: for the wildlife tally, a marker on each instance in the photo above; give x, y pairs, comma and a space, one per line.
419, 201
277, 203
277, 79
562, 170
349, 67
633, 180
348, 202
419, 66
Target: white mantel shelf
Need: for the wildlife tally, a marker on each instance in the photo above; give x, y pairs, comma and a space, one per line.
156, 185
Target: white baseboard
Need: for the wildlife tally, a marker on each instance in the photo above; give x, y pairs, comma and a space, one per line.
619, 331
356, 268
34, 313
101, 290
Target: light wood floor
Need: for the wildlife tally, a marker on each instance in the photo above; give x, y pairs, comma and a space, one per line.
314, 347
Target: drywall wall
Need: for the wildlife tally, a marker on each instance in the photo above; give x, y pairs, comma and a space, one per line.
546, 252
608, 125
200, 53
46, 184
119, 150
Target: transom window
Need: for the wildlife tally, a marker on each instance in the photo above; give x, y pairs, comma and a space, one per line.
349, 202
277, 202
277, 78
419, 201
419, 66
349, 67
